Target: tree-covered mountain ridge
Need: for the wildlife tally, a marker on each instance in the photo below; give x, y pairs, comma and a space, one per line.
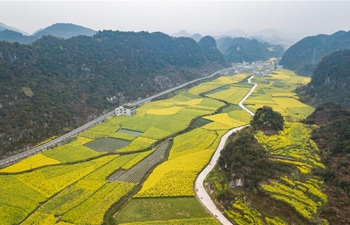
330, 81
54, 85
237, 50
332, 138
303, 56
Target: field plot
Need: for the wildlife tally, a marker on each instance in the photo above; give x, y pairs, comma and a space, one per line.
217, 83
107, 144
166, 111
22, 193
243, 214
163, 211
238, 114
306, 198
134, 170
72, 151
78, 193
276, 91
233, 94
140, 143
131, 132
17, 199
93, 209
293, 146
108, 128
32, 162
224, 121
176, 176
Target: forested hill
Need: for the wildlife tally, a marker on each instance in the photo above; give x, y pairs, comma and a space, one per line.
242, 49
330, 81
303, 56
54, 85
207, 45
14, 36
65, 30
332, 138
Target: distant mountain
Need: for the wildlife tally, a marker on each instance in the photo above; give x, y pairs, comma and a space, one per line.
304, 55
5, 27
13, 36
61, 30
64, 30
54, 85
275, 40
330, 81
181, 33
197, 37
242, 49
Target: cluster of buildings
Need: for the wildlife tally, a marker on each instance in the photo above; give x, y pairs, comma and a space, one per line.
259, 69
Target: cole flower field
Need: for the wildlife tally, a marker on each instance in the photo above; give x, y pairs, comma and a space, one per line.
71, 183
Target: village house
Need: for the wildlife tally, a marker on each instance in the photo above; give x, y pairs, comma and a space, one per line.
125, 110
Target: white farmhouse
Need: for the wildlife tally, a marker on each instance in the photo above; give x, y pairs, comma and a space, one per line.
125, 110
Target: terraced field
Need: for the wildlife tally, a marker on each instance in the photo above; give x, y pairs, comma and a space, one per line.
296, 197
300, 191
277, 90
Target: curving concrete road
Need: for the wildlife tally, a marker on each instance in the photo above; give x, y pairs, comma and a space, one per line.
240, 104
200, 191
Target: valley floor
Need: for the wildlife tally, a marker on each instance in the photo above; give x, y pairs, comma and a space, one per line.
86, 181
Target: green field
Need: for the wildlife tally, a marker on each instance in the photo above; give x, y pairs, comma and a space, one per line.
155, 209
107, 144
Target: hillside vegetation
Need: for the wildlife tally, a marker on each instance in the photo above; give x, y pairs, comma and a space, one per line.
267, 120
272, 176
332, 138
303, 56
54, 85
330, 81
270, 179
237, 50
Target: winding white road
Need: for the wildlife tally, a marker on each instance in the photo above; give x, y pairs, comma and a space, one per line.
199, 189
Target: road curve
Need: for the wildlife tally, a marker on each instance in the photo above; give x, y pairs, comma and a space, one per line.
240, 104
199, 189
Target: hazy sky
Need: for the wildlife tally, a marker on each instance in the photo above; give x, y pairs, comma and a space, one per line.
205, 17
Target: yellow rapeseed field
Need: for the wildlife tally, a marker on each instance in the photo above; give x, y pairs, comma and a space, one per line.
32, 162
165, 111
175, 177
